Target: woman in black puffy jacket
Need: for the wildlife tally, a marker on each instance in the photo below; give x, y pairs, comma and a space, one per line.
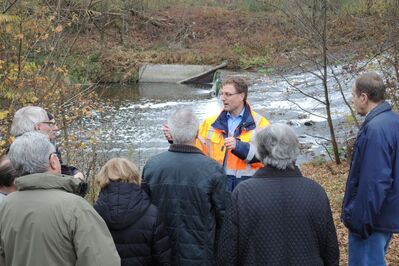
133, 221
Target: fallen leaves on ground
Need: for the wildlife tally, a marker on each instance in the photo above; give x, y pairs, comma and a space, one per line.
333, 178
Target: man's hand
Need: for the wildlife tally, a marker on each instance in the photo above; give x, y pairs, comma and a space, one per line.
230, 143
80, 176
166, 132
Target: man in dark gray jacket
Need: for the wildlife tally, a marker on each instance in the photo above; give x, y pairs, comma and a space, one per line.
45, 222
190, 191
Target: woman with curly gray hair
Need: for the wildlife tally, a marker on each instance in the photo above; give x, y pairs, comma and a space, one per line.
278, 217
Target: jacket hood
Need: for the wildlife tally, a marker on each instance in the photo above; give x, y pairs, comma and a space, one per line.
49, 181
121, 204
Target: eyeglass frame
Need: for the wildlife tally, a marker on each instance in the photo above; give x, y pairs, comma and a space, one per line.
49, 123
228, 95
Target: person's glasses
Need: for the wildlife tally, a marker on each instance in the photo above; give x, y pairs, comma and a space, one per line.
227, 94
49, 123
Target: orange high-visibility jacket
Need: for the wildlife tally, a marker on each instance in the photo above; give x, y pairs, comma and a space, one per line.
240, 161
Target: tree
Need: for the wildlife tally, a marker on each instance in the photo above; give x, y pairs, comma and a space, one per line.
34, 47
309, 21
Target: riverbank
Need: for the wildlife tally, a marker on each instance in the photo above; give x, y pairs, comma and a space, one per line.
257, 41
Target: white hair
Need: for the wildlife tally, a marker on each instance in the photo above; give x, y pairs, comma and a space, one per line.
277, 146
29, 153
183, 126
26, 118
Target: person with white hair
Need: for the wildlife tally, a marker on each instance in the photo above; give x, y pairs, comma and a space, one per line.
278, 217
7, 177
190, 192
45, 222
30, 118
35, 118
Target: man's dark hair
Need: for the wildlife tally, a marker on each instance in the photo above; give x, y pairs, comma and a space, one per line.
372, 85
239, 84
7, 172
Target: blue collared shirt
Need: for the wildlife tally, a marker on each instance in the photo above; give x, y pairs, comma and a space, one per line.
233, 122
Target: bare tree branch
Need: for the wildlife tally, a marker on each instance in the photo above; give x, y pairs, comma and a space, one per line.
306, 111
343, 96
302, 92
88, 90
326, 149
319, 137
310, 23
8, 8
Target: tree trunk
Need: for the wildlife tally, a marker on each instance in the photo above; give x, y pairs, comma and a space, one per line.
325, 85
64, 127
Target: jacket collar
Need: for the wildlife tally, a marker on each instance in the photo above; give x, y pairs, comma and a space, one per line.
241, 114
269, 171
247, 122
382, 107
49, 181
184, 148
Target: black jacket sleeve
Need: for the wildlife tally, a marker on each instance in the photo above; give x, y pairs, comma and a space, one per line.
160, 245
219, 198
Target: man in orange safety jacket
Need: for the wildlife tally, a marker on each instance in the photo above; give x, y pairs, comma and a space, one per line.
227, 137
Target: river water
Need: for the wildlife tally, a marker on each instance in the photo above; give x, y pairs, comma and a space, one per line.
131, 122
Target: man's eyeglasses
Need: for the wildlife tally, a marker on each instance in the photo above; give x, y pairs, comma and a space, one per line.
227, 94
49, 123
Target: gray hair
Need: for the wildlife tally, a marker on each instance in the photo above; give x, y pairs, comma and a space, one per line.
277, 146
183, 126
26, 118
29, 153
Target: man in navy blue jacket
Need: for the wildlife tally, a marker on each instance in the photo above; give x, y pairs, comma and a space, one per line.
371, 204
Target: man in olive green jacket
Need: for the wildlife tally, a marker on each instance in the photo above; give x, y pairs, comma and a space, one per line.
45, 222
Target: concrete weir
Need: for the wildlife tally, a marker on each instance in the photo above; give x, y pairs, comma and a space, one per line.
194, 74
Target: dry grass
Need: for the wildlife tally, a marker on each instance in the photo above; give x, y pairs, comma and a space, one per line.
210, 35
333, 178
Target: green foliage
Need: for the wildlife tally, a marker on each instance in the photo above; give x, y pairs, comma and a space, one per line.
246, 5
251, 5
318, 161
349, 119
4, 19
251, 58
86, 68
363, 7
341, 152
269, 70
32, 70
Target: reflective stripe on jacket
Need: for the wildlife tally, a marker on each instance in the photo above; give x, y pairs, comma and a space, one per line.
238, 162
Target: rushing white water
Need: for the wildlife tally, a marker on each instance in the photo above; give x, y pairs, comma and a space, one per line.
131, 125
